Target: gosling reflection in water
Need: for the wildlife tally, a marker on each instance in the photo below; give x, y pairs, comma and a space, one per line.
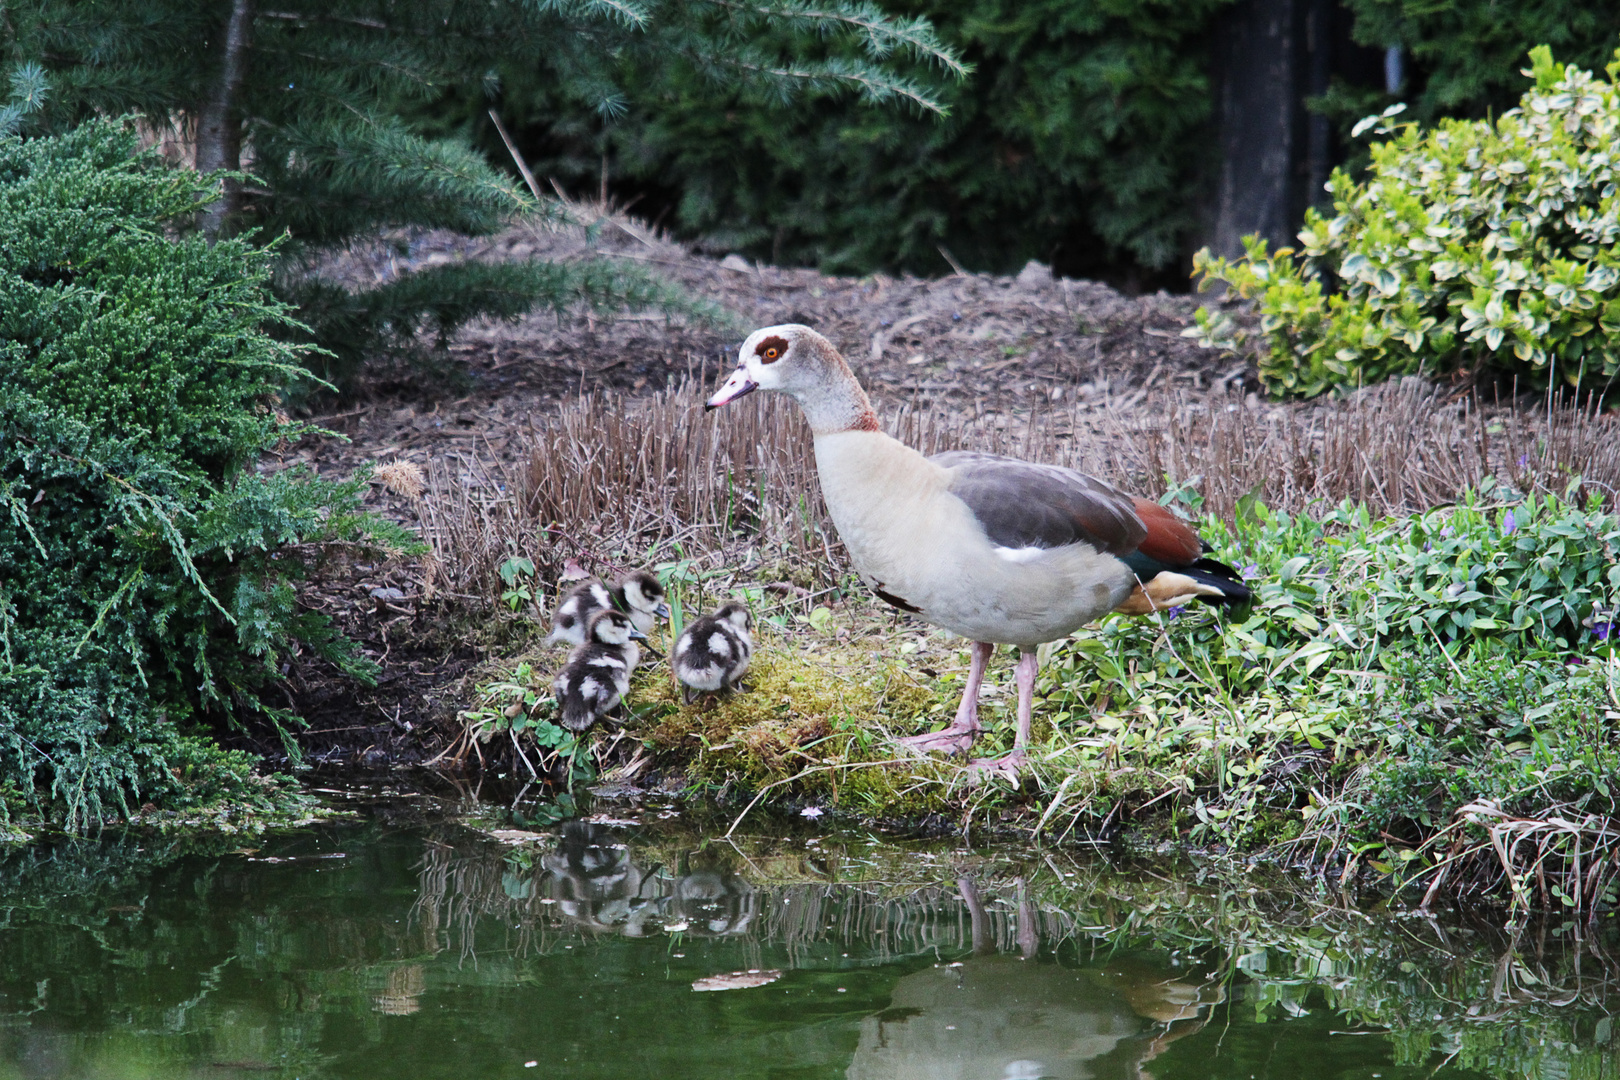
598, 886
1009, 1017
714, 902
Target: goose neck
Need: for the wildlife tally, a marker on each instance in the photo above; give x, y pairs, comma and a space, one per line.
837, 403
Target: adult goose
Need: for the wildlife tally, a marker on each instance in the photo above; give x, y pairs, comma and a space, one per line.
998, 550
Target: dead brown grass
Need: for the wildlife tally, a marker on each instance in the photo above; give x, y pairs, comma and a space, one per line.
1399, 448
613, 482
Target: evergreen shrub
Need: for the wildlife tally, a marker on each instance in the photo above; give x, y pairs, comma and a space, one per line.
1461, 57
1475, 244
1077, 141
146, 569
312, 116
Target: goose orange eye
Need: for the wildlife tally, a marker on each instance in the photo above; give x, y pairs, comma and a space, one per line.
771, 349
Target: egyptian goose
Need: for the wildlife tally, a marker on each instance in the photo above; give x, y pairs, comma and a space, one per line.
597, 675
995, 549
639, 595
714, 652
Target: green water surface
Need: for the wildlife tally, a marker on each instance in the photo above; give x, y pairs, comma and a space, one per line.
388, 948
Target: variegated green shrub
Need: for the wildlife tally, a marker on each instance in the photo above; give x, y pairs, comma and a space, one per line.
1475, 244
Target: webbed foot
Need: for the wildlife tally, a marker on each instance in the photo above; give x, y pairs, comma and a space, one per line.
956, 739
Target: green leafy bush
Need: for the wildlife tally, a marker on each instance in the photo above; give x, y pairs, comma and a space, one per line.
1474, 244
146, 569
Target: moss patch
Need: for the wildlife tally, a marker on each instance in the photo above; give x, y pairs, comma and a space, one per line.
813, 721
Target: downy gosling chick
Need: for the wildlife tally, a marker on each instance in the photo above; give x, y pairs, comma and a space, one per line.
597, 675
714, 652
638, 595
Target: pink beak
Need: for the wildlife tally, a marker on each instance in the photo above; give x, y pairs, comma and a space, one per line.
735, 387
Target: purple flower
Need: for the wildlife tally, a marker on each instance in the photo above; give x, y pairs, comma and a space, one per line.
1603, 631
1175, 612
1510, 524
1524, 460
1250, 572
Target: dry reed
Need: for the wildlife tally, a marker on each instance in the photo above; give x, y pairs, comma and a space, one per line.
614, 482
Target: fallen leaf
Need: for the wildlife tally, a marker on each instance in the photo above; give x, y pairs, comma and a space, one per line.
738, 980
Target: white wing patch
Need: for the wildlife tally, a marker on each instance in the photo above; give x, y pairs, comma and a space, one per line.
1021, 555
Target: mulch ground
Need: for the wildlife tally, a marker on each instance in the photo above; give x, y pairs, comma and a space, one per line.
990, 344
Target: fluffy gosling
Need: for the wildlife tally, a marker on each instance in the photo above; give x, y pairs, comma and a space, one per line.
714, 652
597, 675
638, 595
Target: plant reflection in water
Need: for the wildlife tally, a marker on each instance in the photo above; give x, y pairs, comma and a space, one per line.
376, 950
1000, 1010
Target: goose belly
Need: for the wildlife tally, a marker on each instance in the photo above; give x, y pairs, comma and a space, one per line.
920, 548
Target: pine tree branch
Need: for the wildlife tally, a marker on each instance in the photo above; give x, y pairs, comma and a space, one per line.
883, 33
836, 73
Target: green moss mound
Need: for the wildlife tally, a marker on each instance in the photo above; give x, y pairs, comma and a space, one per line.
811, 726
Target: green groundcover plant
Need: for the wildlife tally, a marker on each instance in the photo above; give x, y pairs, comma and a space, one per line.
1388, 673
146, 568
1477, 244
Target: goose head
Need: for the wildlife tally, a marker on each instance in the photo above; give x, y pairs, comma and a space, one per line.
611, 627
799, 362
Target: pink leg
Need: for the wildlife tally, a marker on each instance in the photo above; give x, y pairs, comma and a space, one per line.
1028, 665
957, 738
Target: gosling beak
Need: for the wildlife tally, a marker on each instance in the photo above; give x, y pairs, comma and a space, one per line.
637, 635
735, 387
662, 611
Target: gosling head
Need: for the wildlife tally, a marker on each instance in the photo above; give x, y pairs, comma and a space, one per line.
737, 615
644, 593
611, 627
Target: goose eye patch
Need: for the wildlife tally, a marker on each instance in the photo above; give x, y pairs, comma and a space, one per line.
771, 349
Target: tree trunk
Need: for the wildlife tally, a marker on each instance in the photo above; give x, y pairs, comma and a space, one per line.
1258, 113
1270, 56
219, 128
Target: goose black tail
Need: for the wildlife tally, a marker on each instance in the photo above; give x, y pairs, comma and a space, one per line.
1209, 572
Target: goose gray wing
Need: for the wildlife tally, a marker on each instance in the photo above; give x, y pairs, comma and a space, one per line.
1021, 504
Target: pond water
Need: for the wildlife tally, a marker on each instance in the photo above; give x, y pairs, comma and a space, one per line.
401, 946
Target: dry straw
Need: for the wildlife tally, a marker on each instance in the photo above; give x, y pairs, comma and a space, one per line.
614, 481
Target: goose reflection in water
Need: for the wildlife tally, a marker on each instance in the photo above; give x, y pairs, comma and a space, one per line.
1009, 1017
598, 886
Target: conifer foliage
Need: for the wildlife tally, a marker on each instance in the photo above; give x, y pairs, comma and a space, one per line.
1081, 139
146, 568
303, 97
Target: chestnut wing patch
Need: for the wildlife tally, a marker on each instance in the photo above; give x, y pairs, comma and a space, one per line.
1169, 539
1021, 504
